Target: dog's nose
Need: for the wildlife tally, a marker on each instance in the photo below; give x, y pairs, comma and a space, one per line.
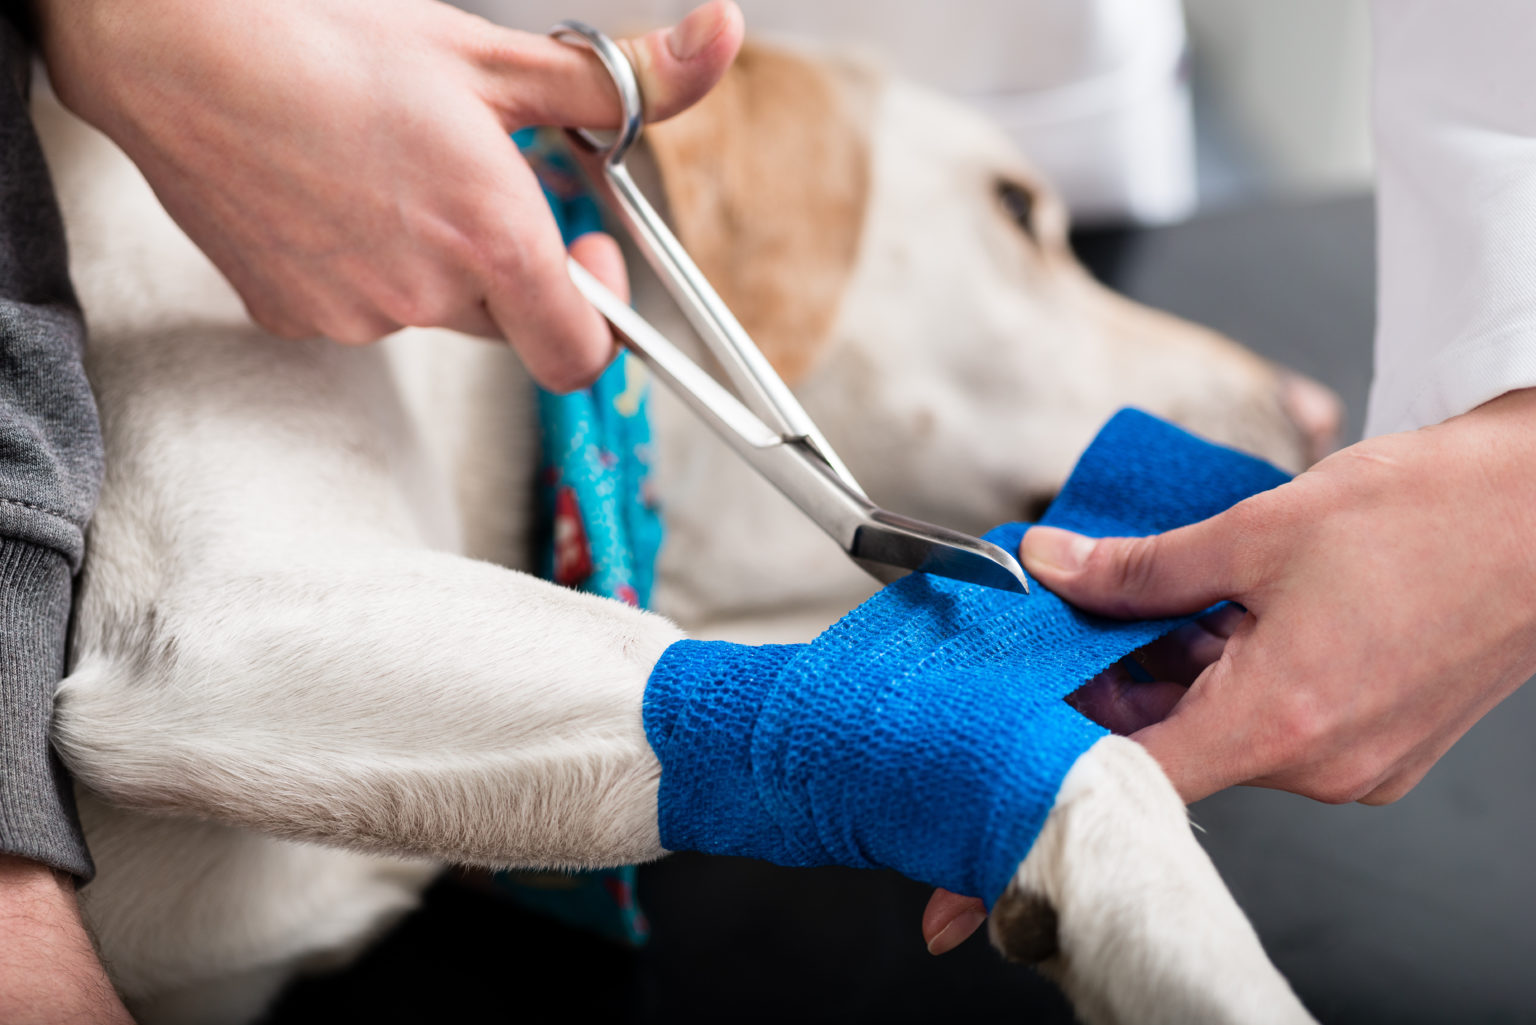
1317, 412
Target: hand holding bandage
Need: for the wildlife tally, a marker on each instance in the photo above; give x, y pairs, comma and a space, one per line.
925, 731
1390, 597
1388, 602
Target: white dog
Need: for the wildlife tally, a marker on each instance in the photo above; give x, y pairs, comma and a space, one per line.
307, 671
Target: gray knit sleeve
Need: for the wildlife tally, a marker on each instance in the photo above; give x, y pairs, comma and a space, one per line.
50, 470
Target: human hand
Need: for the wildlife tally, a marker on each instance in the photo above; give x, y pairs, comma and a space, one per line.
345, 163
49, 974
1388, 602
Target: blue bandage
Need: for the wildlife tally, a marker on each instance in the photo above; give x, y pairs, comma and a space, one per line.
925, 731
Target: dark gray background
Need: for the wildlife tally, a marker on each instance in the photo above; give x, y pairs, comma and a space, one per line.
1417, 912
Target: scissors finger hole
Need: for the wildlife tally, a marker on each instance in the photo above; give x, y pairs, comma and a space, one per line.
612, 145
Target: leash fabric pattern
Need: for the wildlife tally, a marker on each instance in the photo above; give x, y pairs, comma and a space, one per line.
602, 532
925, 731
595, 490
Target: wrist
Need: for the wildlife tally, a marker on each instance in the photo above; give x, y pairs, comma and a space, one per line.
40, 919
1512, 406
126, 66
76, 40
1495, 446
27, 885
49, 970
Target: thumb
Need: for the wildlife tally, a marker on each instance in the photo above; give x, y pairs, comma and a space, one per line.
1182, 571
538, 80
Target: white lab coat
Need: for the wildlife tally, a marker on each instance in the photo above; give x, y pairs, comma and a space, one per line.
1456, 198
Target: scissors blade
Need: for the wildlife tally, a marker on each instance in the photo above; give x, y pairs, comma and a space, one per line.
890, 545
761, 388
885, 544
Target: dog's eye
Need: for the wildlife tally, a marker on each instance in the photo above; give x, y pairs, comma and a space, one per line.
1019, 202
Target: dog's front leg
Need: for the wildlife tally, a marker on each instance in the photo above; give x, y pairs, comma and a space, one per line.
1120, 906
385, 699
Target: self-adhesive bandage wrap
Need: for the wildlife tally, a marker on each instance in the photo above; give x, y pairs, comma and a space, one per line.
925, 731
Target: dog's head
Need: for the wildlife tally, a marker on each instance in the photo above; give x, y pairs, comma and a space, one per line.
909, 273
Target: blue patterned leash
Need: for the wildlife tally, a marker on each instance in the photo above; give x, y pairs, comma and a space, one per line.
601, 532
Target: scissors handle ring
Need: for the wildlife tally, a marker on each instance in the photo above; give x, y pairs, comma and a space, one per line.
623, 75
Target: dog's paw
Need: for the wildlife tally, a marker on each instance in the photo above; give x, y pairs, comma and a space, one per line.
1023, 927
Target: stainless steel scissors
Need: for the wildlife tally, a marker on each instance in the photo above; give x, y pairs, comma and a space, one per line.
766, 426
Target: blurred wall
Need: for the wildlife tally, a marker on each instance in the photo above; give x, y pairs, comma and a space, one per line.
1096, 90
1093, 90
1282, 96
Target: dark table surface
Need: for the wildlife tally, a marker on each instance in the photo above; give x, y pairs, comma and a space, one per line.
1417, 912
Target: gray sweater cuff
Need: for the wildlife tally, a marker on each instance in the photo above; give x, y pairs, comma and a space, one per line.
37, 801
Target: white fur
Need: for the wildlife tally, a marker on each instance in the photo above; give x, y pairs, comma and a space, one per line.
306, 670
1147, 931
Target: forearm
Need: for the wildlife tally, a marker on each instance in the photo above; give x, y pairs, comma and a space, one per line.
49, 972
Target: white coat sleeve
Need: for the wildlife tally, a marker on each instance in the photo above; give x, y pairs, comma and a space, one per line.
1455, 124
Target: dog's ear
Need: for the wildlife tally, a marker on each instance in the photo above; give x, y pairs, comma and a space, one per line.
767, 180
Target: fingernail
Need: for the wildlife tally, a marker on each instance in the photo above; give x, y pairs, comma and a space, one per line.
690, 36
956, 932
1054, 549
